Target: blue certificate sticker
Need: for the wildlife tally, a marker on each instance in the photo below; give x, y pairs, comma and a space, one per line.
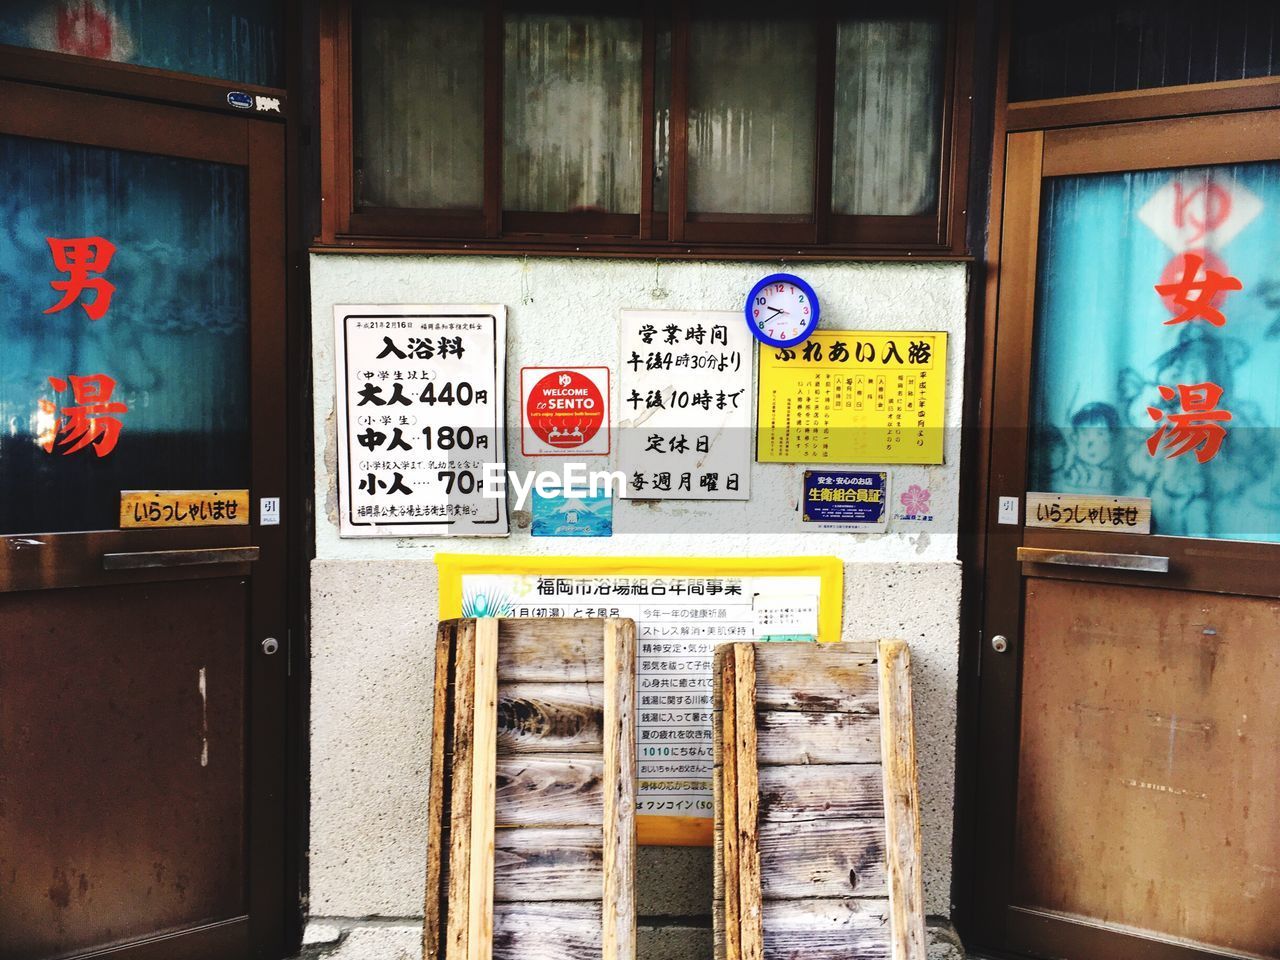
846, 501
561, 516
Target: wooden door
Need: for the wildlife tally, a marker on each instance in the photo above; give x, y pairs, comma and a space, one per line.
1129, 726
142, 671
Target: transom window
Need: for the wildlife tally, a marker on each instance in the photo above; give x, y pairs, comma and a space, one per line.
669, 127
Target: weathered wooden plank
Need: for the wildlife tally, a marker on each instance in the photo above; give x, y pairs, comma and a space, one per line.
803, 737
432, 907
533, 864
844, 792
901, 803
557, 790
727, 740
550, 718
826, 929
717, 806
458, 927
822, 858
619, 908
551, 650
750, 916
546, 931
483, 771
819, 677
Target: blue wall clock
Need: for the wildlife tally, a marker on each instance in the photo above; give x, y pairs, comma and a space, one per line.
782, 310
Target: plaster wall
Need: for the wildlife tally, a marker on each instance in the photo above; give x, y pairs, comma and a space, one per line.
371, 659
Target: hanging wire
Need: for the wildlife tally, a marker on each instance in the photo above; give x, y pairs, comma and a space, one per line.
526, 295
659, 292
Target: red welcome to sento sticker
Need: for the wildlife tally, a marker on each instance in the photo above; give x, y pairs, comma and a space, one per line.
565, 411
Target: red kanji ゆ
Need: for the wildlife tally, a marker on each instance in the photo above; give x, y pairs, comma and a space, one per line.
1203, 209
1209, 290
78, 257
1198, 427
87, 422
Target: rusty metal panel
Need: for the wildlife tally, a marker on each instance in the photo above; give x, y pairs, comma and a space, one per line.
122, 777
1149, 762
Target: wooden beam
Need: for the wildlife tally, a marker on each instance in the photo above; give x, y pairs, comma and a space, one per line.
552, 650
815, 678
550, 717
788, 737
618, 911
822, 858
846, 792
483, 791
432, 906
751, 916
549, 790
536, 864
901, 803
460, 823
727, 741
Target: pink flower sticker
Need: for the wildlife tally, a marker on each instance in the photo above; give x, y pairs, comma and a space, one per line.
915, 501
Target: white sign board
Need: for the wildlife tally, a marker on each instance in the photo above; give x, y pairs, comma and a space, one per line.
684, 407
679, 620
420, 416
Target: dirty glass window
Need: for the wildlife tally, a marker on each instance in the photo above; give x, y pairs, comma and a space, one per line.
237, 40
752, 115
659, 126
572, 113
419, 130
124, 326
1158, 345
888, 116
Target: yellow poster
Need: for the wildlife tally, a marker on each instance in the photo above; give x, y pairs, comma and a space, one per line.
853, 396
683, 608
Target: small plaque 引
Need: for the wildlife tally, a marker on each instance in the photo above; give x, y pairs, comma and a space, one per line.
183, 508
1085, 511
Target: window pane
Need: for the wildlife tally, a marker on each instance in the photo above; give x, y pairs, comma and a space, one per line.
140, 381
752, 96
888, 118
419, 128
236, 40
1169, 394
572, 105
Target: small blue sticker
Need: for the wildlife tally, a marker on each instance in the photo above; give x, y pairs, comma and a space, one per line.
845, 500
560, 516
239, 100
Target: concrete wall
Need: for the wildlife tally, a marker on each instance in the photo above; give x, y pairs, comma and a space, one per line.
371, 661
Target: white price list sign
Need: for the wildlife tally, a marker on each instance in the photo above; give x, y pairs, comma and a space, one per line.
420, 418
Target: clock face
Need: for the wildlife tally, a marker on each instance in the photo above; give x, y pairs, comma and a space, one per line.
782, 310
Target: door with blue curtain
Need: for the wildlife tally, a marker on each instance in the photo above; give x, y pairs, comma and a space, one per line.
1129, 722
143, 634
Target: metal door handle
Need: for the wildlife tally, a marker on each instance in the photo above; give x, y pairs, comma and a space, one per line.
1092, 558
147, 559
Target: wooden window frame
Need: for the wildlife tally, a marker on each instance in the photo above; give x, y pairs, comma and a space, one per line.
673, 233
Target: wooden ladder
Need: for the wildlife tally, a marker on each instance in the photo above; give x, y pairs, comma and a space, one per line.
817, 845
531, 812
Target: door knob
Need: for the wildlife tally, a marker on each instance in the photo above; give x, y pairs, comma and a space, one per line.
270, 645
999, 643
